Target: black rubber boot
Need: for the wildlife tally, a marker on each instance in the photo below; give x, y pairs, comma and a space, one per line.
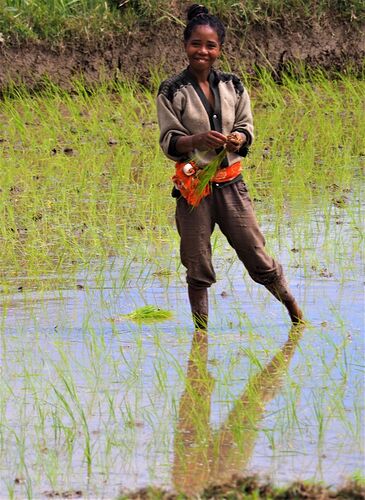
199, 306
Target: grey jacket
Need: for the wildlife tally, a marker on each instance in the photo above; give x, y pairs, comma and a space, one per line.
183, 109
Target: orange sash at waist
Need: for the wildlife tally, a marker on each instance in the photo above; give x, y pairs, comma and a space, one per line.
186, 180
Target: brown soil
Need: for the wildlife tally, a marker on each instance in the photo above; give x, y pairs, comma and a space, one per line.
251, 487
332, 45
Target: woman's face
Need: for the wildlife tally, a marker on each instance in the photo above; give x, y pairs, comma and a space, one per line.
202, 48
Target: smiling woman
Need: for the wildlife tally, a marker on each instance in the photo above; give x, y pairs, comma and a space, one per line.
205, 114
202, 49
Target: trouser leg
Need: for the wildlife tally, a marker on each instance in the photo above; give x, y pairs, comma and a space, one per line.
281, 291
195, 227
237, 220
198, 298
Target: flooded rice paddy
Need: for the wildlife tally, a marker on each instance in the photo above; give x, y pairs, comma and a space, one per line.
92, 403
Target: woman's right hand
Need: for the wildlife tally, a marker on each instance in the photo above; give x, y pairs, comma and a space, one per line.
208, 140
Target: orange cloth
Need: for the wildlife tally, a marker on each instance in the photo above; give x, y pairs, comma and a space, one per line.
188, 184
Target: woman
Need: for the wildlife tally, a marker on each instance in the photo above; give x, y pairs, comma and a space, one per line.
201, 111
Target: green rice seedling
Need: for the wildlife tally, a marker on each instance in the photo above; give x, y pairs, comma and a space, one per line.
147, 314
58, 211
359, 477
72, 406
10, 486
206, 174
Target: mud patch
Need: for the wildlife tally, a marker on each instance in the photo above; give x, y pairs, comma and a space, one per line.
331, 44
252, 487
63, 494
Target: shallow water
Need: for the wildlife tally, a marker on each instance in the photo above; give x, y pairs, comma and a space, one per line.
92, 402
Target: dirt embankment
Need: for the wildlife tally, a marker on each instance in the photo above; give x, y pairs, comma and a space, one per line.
330, 44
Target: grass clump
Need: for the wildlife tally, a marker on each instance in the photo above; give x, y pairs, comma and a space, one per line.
148, 314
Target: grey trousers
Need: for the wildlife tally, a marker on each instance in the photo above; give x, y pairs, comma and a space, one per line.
229, 207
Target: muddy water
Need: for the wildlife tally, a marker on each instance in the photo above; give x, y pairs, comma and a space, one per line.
159, 402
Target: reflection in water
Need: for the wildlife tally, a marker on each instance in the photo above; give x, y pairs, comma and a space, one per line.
201, 455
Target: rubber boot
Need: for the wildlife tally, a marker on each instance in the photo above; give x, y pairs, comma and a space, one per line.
281, 291
199, 306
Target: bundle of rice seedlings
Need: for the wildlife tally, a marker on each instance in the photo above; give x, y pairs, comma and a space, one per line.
208, 172
147, 314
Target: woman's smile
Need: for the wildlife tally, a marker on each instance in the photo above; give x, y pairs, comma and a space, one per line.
202, 48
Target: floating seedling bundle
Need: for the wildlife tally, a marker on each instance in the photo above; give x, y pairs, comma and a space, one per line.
147, 314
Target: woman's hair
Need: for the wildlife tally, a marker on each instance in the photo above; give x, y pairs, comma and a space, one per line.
198, 15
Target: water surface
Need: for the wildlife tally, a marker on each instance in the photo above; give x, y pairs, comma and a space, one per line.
93, 402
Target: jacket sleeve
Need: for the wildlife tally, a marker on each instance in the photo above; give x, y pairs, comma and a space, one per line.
244, 121
169, 120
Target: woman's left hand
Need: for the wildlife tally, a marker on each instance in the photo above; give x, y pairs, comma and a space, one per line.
235, 140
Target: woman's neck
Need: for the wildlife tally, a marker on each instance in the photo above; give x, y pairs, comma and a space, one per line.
200, 77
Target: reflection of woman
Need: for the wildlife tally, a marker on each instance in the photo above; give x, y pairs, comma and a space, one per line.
248, 410
191, 468
201, 456
201, 111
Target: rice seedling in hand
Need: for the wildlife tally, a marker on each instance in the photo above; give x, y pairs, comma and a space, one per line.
206, 174
202, 177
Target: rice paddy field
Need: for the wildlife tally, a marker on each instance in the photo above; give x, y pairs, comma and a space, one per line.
96, 401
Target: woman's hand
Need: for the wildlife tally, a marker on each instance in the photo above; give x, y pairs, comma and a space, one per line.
235, 140
208, 140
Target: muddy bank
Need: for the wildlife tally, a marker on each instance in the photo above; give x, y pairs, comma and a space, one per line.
330, 44
252, 487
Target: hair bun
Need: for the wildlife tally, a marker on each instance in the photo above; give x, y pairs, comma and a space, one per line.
196, 10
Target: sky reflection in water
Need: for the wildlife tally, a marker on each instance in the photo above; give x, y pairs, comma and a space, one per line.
251, 397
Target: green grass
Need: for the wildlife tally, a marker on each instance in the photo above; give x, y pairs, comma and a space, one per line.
271, 11
57, 19
83, 179
95, 20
